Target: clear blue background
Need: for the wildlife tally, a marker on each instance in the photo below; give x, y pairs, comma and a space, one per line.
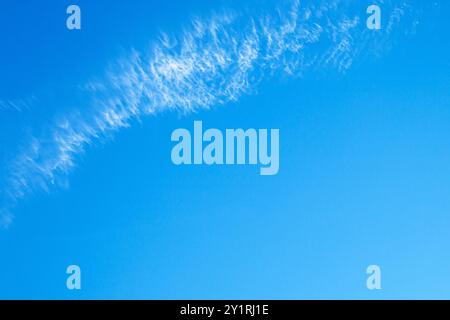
364, 174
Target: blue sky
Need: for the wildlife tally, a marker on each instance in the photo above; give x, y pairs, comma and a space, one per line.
363, 119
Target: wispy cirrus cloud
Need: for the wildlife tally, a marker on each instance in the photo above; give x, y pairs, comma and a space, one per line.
17, 104
212, 62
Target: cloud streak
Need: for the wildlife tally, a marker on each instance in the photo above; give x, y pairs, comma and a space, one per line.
17, 105
212, 62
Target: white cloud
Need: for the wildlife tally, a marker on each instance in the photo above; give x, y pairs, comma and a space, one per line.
212, 62
17, 104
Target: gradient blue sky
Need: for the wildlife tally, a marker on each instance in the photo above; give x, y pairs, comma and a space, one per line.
364, 167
